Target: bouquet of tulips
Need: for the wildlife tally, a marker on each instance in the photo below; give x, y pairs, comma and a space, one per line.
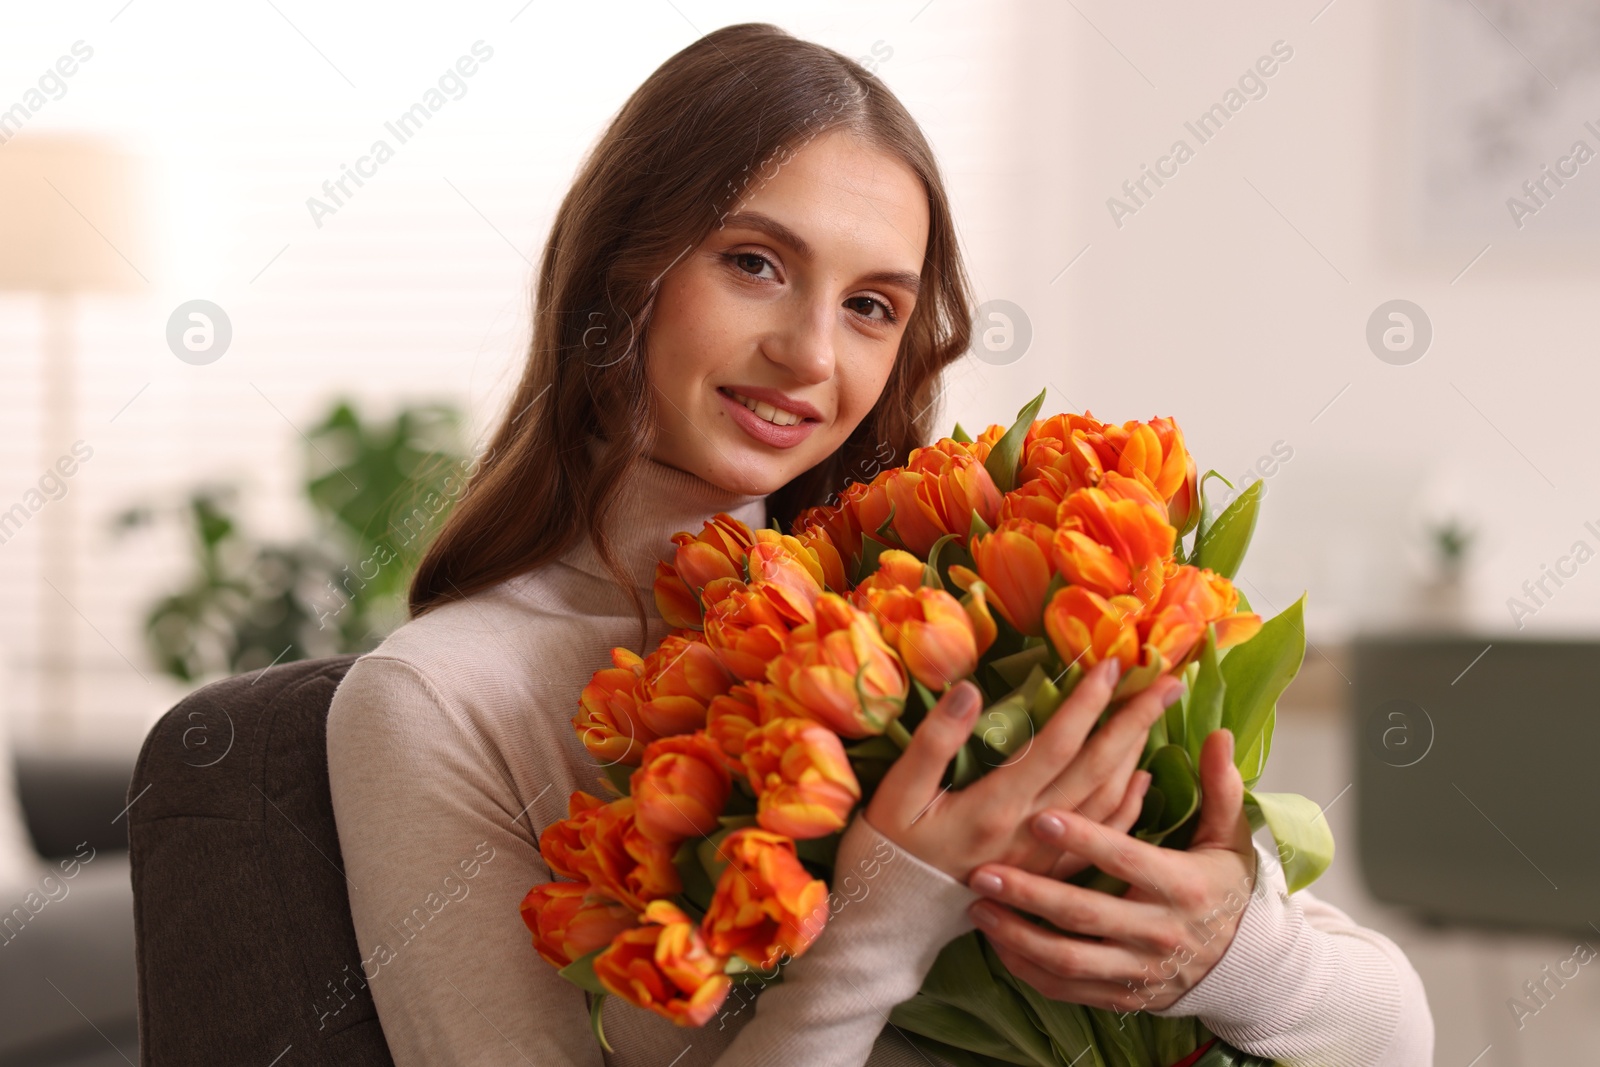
798, 663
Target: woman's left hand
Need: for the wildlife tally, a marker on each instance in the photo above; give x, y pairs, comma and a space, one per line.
1142, 950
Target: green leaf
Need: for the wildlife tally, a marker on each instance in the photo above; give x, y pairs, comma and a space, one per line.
1222, 546
960, 979
1305, 841
1140, 677
580, 972
819, 850
953, 1027
619, 775
871, 548
977, 527
1003, 457
1172, 772
933, 575
878, 747
966, 768
958, 434
1014, 669
1203, 712
1251, 764
1256, 673
1066, 1024
697, 885
1205, 510
1005, 726
709, 849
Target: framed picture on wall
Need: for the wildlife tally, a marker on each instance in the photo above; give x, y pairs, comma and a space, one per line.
1506, 145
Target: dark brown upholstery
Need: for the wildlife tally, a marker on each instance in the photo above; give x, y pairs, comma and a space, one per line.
245, 945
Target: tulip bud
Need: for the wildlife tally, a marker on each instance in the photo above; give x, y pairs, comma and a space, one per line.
665, 966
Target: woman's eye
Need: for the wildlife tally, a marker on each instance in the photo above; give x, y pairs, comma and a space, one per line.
751, 263
888, 312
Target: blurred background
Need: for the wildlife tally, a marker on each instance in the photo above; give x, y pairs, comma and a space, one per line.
1349, 245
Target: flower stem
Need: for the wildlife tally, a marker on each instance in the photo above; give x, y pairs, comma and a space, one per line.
897, 732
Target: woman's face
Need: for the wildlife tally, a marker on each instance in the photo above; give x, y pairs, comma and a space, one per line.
772, 340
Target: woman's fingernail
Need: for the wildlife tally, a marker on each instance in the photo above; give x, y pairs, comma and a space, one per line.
1174, 691
1048, 825
959, 703
1113, 670
986, 883
984, 917
1144, 783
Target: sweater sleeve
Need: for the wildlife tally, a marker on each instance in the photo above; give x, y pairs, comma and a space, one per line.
891, 914
436, 867
1303, 984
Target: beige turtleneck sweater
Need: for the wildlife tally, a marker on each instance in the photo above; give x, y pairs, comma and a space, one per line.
451, 748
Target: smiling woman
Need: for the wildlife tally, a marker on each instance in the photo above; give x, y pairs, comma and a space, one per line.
746, 297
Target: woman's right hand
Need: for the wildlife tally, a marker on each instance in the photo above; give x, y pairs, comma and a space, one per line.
987, 822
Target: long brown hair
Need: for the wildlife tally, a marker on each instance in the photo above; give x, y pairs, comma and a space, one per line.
676, 158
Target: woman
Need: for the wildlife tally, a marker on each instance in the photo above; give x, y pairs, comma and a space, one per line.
746, 299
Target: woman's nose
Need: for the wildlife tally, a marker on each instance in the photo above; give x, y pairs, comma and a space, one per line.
804, 343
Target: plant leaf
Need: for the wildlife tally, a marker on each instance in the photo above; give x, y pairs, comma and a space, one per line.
1305, 842
1003, 457
1256, 673
1222, 546
1203, 712
580, 972
1172, 772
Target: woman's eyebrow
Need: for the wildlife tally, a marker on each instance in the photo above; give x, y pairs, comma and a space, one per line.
758, 220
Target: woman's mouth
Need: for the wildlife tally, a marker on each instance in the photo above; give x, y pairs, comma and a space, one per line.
770, 417
775, 415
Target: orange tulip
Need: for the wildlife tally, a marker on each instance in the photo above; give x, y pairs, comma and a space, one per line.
680, 789
677, 681
569, 920
718, 551
562, 844
819, 548
600, 844
897, 569
765, 904
609, 722
1191, 599
1014, 562
664, 966
932, 632
791, 573
1066, 444
674, 599
729, 720
748, 625
986, 441
935, 493
802, 779
1154, 453
839, 521
1114, 538
1038, 498
838, 671
1085, 627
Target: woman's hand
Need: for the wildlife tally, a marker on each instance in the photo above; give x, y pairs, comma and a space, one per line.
1147, 948
988, 821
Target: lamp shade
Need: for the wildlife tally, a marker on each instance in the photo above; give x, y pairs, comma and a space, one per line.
70, 218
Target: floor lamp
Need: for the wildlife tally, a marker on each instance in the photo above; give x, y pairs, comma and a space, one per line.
69, 227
